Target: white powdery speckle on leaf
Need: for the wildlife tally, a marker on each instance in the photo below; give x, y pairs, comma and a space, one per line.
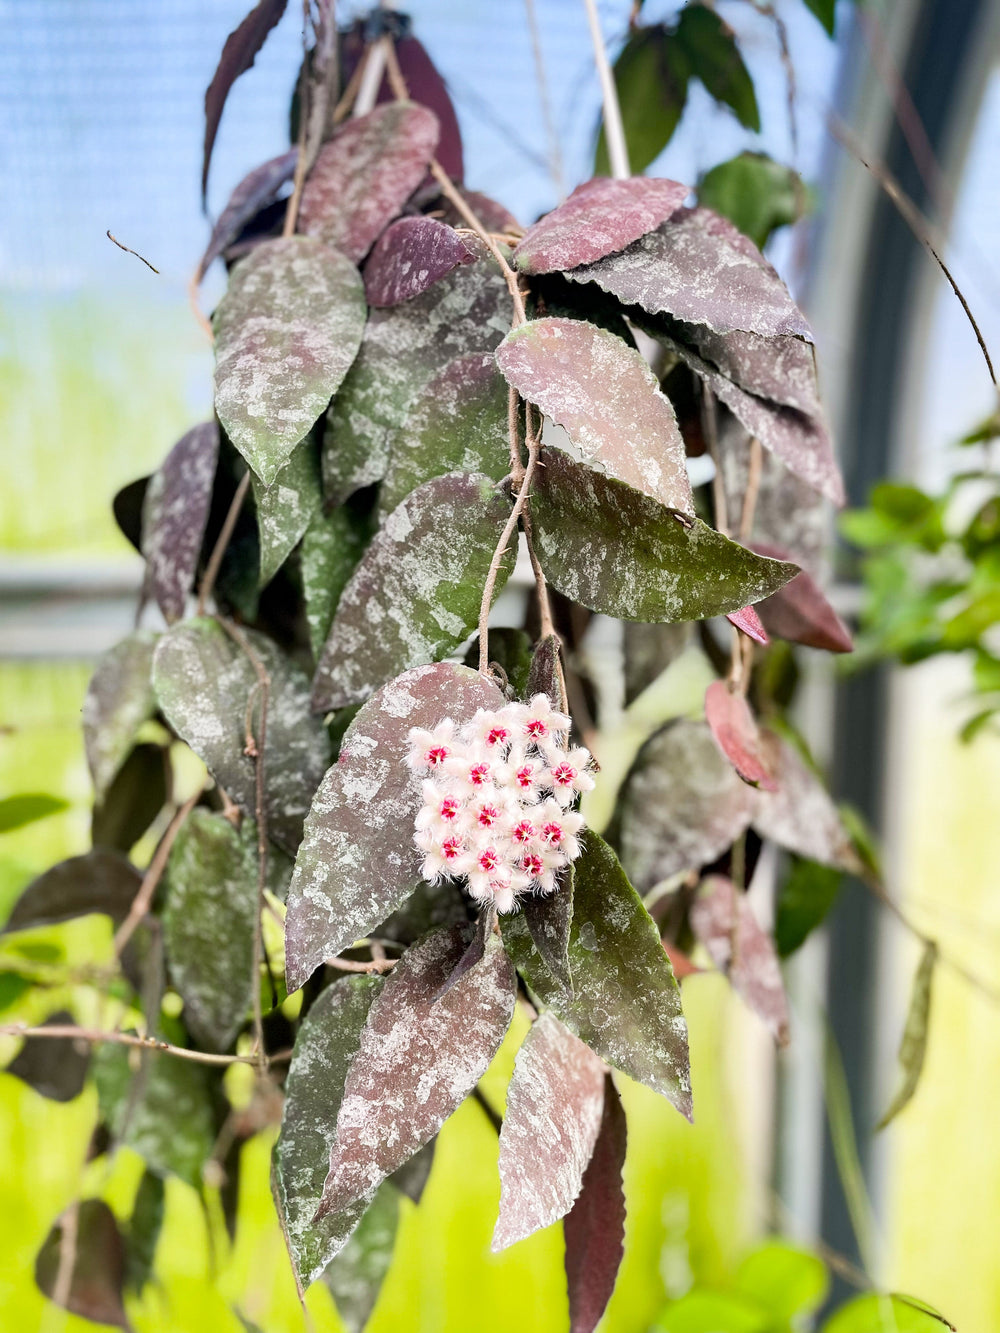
496, 794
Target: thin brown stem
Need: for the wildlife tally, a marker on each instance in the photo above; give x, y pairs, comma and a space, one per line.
219, 549
710, 430
614, 130
753, 489
97, 1037
377, 965
144, 897
499, 553
301, 165
70, 1224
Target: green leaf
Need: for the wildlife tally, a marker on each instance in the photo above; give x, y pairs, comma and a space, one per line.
204, 682
989, 429
713, 57
876, 1313
703, 1311
286, 508
208, 924
357, 863
458, 423
803, 902
404, 346
97, 1276
286, 333
626, 1004
607, 400
162, 1110
12, 987
119, 700
755, 193
651, 76
824, 10
356, 1275
325, 1045
615, 550
26, 808
331, 548
784, 1280
137, 794
913, 1047
417, 591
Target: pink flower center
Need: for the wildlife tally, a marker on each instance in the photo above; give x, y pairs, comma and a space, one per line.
479, 774
552, 834
531, 865
525, 777
564, 775
497, 735
437, 755
451, 848
524, 831
488, 815
449, 808
488, 861
535, 728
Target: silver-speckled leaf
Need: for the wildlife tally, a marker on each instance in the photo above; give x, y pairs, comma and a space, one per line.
364, 175
595, 1225
332, 545
468, 311
325, 1045
735, 730
549, 917
411, 256
174, 513
355, 1276
203, 682
801, 441
118, 701
626, 1004
801, 816
608, 401
418, 1060
698, 268
286, 333
458, 423
208, 922
722, 918
257, 189
286, 508
600, 217
417, 591
165, 1115
682, 804
554, 1105
357, 862
781, 369
615, 550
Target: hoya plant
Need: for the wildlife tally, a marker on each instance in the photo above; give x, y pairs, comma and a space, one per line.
338, 823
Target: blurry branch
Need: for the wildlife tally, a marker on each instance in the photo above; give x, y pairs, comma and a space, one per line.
555, 155
130, 251
142, 900
219, 550
614, 131
913, 218
97, 1037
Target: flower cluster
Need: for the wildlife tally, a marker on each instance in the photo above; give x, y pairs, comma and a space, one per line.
496, 800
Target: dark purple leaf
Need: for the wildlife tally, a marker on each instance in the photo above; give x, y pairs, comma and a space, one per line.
595, 1225
136, 796
607, 400
549, 917
735, 729
458, 423
364, 175
357, 862
800, 613
626, 1002
97, 1278
723, 920
238, 55
494, 217
476, 948
781, 369
56, 1067
99, 881
419, 1058
416, 593
682, 804
801, 442
205, 682
800, 816
698, 268
127, 508
355, 1276
649, 649
617, 551
599, 218
254, 191
545, 675
410, 256
326, 1043
286, 333
119, 700
468, 311
550, 1126
747, 619
174, 514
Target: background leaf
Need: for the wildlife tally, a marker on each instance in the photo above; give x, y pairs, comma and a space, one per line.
800, 816
98, 1275
735, 729
174, 514
144, 1227
286, 332
364, 175
755, 193
913, 1047
416, 593
56, 1067
27, 808
804, 899
713, 57
418, 1059
99, 881
136, 796
357, 863
550, 1126
355, 1275
119, 700
651, 76
257, 189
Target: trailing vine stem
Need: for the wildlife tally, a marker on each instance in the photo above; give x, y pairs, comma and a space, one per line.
614, 131
534, 444
144, 897
97, 1037
219, 549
